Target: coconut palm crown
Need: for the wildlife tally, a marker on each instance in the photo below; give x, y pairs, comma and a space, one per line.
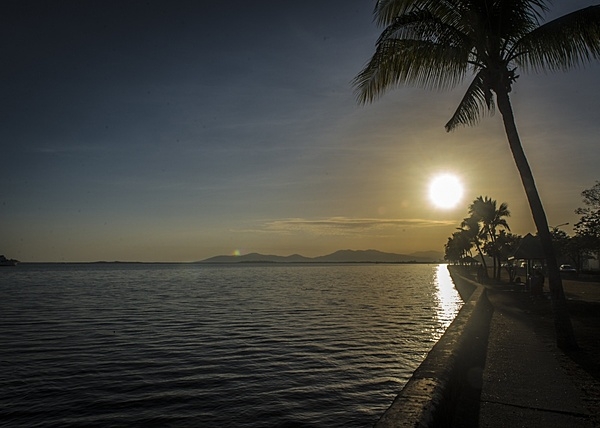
435, 44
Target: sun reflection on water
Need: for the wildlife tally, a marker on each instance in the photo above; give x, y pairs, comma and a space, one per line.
447, 298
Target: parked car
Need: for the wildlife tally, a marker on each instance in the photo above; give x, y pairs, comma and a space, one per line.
567, 269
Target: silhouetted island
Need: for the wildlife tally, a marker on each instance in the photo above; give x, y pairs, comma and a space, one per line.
7, 262
342, 256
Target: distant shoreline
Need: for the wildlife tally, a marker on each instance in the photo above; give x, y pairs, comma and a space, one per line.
241, 262
341, 256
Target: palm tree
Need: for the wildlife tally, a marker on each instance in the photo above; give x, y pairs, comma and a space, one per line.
491, 216
471, 230
506, 245
435, 43
458, 247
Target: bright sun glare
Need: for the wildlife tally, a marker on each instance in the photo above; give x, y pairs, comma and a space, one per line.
445, 191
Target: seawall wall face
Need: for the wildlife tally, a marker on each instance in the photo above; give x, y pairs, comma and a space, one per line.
445, 388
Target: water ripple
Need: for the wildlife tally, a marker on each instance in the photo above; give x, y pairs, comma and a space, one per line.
197, 345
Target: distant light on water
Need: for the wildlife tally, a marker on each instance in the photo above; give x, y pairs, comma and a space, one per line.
447, 297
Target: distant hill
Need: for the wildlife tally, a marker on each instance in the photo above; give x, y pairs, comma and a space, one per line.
342, 256
258, 258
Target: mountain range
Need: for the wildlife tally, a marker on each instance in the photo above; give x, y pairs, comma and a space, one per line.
341, 256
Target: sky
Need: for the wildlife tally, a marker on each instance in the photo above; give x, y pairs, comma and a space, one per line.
180, 130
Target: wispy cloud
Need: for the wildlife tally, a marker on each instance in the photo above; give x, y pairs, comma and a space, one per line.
349, 226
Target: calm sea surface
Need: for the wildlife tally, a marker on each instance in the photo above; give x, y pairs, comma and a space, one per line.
185, 345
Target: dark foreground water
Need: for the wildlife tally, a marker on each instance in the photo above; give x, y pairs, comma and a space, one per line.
215, 346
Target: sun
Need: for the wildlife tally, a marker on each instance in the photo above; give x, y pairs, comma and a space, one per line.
445, 191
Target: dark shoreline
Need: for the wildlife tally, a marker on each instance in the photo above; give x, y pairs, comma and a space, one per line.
445, 389
501, 350
265, 262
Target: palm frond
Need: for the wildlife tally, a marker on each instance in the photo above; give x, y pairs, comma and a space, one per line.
423, 25
416, 48
561, 44
386, 11
519, 10
476, 100
420, 63
510, 20
503, 210
502, 222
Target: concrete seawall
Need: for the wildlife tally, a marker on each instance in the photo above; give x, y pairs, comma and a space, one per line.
446, 387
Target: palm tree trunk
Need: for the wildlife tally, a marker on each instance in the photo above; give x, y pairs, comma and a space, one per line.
482, 259
499, 267
565, 338
492, 235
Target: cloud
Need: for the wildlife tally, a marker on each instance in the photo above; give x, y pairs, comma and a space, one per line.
349, 226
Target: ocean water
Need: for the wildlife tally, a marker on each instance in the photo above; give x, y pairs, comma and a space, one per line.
186, 345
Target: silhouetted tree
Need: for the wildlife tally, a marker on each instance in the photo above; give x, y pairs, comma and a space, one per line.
507, 243
587, 229
491, 216
458, 247
472, 232
435, 43
560, 240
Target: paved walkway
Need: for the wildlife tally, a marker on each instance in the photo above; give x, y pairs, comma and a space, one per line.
523, 383
588, 291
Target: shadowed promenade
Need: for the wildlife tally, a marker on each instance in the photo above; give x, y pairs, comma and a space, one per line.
526, 381
498, 364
